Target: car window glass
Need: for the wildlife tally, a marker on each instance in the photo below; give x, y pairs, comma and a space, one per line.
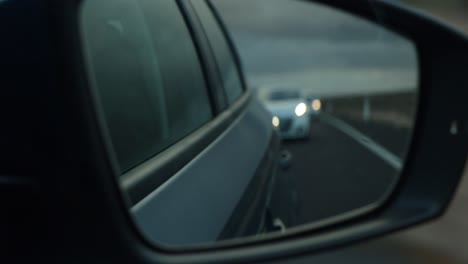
144, 65
222, 52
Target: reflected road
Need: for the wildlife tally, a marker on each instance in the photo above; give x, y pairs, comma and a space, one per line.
330, 168
319, 164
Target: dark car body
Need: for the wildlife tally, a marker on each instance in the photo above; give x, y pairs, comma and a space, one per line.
223, 191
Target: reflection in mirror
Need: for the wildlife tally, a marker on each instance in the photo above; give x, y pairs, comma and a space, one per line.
323, 139
342, 92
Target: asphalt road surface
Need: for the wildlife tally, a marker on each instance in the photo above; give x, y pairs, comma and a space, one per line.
438, 242
331, 173
333, 169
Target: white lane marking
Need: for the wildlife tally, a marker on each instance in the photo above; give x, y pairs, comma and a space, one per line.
392, 159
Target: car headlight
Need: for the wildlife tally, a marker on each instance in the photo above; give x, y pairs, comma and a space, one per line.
316, 105
275, 121
301, 109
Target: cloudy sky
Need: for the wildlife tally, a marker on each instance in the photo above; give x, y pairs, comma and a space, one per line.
318, 49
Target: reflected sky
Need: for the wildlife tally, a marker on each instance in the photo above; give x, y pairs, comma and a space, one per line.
320, 50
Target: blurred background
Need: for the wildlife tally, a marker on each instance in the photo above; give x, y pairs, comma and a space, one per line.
342, 92
365, 77
445, 239
441, 241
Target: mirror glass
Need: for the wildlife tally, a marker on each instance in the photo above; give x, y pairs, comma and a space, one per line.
342, 92
327, 125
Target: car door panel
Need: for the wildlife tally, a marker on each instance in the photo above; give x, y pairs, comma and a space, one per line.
196, 203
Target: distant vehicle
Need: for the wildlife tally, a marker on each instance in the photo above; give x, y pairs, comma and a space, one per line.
290, 113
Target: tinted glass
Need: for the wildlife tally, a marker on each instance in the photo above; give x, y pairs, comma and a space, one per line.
145, 67
224, 57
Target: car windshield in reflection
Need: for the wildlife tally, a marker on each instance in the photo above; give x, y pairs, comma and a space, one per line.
284, 95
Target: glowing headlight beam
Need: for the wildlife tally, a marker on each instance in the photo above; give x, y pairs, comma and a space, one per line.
316, 105
275, 121
301, 109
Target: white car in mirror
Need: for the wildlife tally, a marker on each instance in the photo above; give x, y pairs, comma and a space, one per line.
291, 113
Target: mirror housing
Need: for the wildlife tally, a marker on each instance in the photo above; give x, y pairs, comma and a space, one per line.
430, 176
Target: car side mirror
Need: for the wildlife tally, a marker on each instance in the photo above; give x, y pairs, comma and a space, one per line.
149, 154
437, 149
